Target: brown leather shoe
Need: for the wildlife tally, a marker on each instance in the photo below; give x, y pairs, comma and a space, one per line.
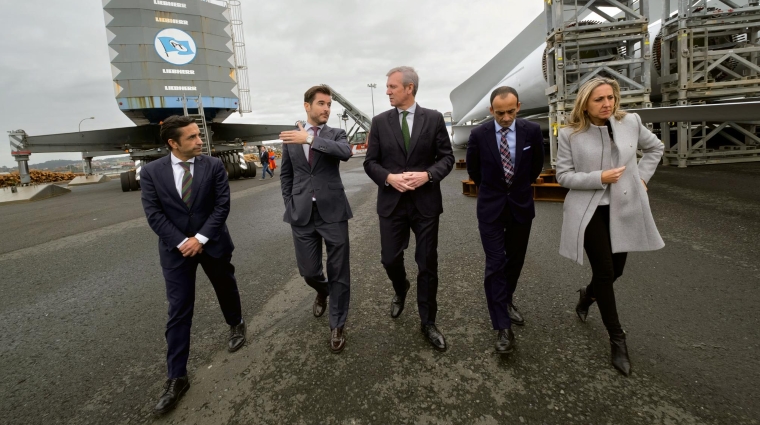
337, 340
320, 305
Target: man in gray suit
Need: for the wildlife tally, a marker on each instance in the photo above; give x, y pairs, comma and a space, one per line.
409, 153
317, 208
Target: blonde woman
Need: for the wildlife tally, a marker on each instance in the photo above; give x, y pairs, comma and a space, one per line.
607, 210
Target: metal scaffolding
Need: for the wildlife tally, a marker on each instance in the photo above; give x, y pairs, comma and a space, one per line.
579, 49
705, 55
238, 48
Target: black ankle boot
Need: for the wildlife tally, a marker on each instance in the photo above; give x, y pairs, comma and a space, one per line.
619, 353
581, 309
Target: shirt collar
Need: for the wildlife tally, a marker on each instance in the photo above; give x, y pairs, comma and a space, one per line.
309, 126
410, 110
511, 127
176, 161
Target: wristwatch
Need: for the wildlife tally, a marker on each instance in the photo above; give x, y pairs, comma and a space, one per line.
430, 177
309, 139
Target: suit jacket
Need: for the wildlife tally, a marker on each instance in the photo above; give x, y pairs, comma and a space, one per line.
429, 150
485, 169
300, 181
579, 160
264, 158
171, 218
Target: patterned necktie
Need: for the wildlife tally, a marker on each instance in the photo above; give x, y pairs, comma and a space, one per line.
187, 183
315, 130
405, 130
506, 158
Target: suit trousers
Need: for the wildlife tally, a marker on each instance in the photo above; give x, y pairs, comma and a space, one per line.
308, 245
606, 267
394, 239
180, 292
505, 242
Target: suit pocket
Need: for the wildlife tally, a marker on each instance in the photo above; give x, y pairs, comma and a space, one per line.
335, 186
296, 191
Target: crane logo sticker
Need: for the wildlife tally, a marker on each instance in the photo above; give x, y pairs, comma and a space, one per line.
175, 46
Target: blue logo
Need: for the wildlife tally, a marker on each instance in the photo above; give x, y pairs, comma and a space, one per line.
175, 46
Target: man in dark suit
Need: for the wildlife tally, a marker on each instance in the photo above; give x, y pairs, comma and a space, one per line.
317, 208
186, 198
409, 153
504, 156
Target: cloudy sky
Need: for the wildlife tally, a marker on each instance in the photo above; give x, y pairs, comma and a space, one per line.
54, 64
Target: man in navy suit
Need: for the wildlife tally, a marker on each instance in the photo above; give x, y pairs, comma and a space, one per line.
504, 156
186, 198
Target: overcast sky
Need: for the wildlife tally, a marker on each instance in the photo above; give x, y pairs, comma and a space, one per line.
55, 70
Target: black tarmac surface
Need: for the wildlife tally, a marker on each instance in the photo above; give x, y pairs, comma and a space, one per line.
83, 309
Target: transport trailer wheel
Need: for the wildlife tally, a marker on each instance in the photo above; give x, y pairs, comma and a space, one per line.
124, 182
230, 170
251, 170
132, 181
237, 171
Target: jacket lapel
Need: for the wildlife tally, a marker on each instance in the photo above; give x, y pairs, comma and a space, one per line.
519, 143
419, 123
616, 136
393, 121
325, 133
490, 130
167, 176
199, 173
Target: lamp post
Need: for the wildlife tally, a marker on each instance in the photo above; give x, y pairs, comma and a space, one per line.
80, 122
372, 88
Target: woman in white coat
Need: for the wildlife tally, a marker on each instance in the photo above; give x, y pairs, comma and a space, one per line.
606, 211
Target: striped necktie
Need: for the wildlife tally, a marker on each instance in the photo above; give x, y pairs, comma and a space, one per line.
506, 158
187, 183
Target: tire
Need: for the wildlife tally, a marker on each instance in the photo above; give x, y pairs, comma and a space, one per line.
228, 167
252, 170
132, 181
124, 182
237, 171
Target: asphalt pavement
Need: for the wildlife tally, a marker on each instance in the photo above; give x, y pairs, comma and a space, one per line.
83, 310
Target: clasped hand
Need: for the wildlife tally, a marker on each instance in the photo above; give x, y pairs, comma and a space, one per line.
409, 180
294, 137
191, 247
613, 175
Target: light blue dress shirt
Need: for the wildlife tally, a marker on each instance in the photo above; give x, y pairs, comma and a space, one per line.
511, 140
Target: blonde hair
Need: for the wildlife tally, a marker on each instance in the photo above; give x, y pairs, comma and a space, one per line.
579, 119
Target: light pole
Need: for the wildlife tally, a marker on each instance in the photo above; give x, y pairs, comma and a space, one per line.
372, 88
80, 122
339, 118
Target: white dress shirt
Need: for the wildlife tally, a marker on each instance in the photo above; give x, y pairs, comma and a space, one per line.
409, 117
179, 172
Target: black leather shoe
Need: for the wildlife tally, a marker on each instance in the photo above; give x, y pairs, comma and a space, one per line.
397, 304
174, 389
505, 342
514, 316
320, 305
434, 337
619, 353
581, 309
237, 337
337, 340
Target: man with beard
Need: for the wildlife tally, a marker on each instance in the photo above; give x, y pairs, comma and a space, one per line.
317, 208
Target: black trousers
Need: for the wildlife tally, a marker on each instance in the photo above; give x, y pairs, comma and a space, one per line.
606, 267
308, 244
505, 242
394, 239
180, 292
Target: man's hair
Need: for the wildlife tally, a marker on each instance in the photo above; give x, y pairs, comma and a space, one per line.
310, 94
503, 91
409, 76
170, 128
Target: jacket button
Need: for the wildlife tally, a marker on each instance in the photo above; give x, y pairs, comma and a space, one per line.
191, 214
625, 192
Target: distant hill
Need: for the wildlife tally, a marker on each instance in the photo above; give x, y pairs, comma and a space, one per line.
55, 163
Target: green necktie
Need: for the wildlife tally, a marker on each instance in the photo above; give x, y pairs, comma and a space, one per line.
405, 130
